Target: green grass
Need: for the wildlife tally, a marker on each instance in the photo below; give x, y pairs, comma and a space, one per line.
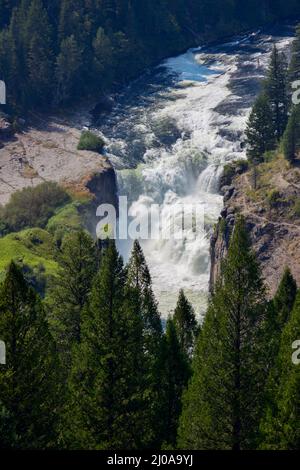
32, 247
90, 141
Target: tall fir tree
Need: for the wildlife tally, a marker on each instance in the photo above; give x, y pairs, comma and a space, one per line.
222, 406
40, 56
68, 68
285, 298
280, 427
291, 136
106, 400
280, 311
30, 380
260, 132
186, 324
276, 90
139, 279
294, 69
78, 267
177, 374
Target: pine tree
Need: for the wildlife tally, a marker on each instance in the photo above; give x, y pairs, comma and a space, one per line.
40, 58
280, 311
280, 426
185, 324
138, 276
291, 137
260, 133
139, 279
294, 70
285, 298
222, 406
106, 405
68, 67
29, 382
78, 266
8, 438
103, 57
177, 374
276, 89
71, 19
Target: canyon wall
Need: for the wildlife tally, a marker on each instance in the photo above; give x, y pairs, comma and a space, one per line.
272, 216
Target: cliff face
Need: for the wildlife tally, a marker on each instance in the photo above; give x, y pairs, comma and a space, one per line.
272, 213
48, 152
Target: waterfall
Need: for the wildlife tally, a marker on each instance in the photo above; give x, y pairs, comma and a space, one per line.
169, 137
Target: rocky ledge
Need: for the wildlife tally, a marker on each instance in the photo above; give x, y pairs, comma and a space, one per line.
272, 214
47, 150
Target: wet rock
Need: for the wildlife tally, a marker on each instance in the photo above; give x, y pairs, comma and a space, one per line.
224, 212
104, 105
229, 193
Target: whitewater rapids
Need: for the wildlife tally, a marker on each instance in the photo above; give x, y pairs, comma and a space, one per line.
169, 136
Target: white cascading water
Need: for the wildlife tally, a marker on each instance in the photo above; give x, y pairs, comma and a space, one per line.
175, 128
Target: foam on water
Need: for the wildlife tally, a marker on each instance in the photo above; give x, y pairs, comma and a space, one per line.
179, 127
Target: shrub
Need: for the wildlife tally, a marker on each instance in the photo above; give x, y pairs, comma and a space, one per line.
274, 198
32, 207
297, 208
236, 167
223, 226
90, 141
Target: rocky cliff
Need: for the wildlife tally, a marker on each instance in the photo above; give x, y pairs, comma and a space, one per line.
47, 150
270, 202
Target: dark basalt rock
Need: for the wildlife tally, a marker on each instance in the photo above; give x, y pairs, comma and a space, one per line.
104, 105
6, 129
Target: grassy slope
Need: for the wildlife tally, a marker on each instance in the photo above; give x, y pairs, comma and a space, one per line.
32, 246
278, 187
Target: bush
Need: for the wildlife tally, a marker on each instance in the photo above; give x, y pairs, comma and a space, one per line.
297, 208
36, 277
90, 141
236, 167
274, 198
32, 207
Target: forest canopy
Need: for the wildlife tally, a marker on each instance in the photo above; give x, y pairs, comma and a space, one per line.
52, 52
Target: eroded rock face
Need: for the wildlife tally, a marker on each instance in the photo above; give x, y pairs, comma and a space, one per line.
275, 235
48, 152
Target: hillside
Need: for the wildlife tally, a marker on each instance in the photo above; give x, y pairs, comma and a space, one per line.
272, 213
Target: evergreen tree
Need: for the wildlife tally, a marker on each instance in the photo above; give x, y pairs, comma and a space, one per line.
106, 405
294, 70
29, 382
103, 57
138, 276
185, 324
276, 90
78, 266
280, 311
280, 427
139, 280
291, 137
8, 438
68, 67
222, 406
177, 374
260, 133
285, 298
40, 59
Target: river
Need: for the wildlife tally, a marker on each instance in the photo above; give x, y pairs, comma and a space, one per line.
169, 135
